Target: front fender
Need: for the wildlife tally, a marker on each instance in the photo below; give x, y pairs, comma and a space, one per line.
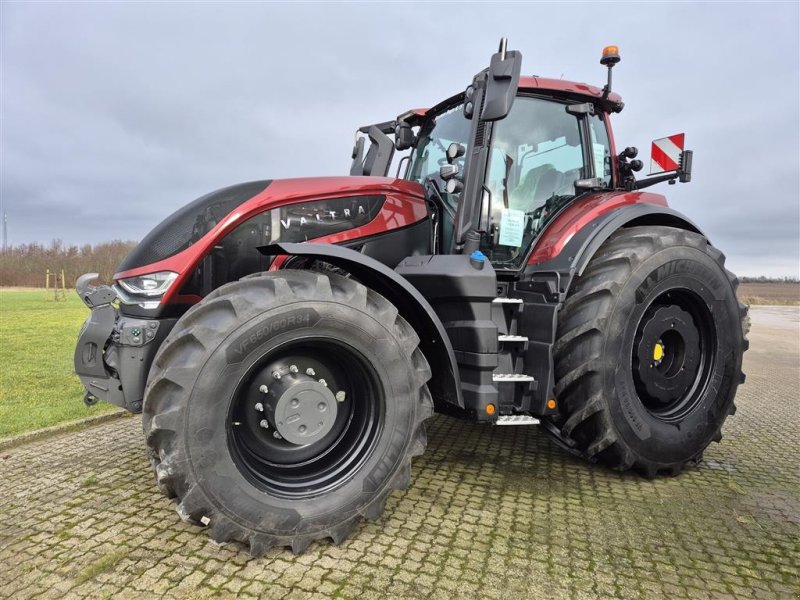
445, 383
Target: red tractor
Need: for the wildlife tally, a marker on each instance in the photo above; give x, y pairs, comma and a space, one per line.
512, 273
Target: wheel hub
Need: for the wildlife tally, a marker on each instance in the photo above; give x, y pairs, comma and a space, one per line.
667, 356
301, 409
305, 413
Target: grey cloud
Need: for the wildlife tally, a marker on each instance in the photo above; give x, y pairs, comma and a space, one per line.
114, 115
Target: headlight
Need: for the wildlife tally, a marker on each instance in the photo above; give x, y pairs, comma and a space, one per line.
152, 284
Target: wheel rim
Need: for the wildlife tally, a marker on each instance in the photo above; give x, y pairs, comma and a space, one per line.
673, 353
305, 417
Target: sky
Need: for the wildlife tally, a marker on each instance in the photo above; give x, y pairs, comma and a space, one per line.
113, 115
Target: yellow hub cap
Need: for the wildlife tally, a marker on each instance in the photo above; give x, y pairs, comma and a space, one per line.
658, 351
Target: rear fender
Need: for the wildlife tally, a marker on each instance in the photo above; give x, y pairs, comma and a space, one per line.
576, 254
445, 383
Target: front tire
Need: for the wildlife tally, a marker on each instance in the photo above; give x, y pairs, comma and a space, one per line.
649, 351
285, 407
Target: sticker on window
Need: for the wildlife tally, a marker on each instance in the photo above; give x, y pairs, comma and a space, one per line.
599, 160
512, 227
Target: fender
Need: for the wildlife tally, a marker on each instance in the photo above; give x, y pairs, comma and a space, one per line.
445, 383
580, 249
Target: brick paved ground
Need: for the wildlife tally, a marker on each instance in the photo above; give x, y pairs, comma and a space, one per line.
492, 512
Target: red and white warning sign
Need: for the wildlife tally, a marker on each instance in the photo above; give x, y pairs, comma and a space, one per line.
665, 155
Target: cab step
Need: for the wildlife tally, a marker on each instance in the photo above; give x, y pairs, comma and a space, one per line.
504, 300
511, 378
511, 338
517, 420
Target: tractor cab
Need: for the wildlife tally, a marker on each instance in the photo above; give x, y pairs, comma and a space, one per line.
494, 178
538, 154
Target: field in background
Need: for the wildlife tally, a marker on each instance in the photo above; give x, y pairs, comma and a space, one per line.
770, 293
37, 339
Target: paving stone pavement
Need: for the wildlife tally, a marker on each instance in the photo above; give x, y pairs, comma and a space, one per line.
491, 513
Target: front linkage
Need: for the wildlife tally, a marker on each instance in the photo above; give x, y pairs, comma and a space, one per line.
114, 352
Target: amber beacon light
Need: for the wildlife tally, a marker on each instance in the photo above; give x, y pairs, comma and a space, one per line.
610, 55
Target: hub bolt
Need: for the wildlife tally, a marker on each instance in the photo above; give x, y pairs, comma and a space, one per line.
293, 369
264, 424
323, 382
263, 389
276, 435
276, 375
310, 372
340, 396
259, 407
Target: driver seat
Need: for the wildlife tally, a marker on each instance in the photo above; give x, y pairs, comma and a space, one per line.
538, 185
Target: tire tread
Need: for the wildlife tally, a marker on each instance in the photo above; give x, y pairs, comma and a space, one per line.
181, 355
586, 427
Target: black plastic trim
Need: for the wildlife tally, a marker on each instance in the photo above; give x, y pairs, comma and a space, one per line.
391, 247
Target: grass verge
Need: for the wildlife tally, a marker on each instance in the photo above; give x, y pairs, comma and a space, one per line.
37, 339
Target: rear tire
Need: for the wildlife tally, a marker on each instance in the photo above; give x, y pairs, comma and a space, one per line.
283, 408
649, 352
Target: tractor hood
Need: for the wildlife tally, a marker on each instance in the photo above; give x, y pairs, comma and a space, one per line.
329, 207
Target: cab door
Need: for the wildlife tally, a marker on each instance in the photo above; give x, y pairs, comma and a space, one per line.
537, 154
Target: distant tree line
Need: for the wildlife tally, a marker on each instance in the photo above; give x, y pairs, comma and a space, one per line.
25, 265
762, 279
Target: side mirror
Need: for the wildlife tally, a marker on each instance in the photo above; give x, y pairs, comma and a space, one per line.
454, 151
502, 82
448, 171
403, 136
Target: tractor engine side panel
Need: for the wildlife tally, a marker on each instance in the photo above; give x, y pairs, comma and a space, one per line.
327, 210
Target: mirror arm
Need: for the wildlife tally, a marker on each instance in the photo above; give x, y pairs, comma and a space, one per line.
646, 183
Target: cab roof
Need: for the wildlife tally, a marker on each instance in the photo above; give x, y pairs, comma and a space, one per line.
533, 83
570, 87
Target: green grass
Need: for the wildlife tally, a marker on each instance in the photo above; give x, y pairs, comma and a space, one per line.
37, 339
106, 563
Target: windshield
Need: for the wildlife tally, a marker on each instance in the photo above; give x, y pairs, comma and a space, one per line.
434, 138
